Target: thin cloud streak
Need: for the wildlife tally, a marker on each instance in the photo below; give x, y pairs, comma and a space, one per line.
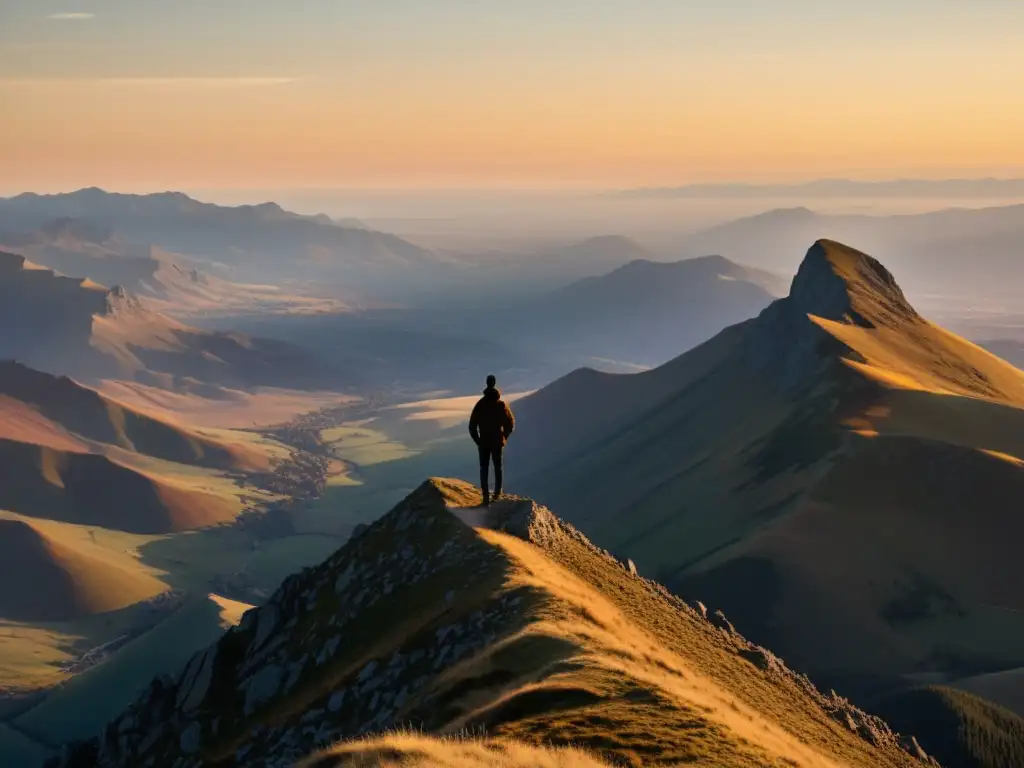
174, 82
71, 16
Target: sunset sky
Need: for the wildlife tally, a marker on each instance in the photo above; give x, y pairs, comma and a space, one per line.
147, 94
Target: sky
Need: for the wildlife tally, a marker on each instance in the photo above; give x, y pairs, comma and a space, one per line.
140, 95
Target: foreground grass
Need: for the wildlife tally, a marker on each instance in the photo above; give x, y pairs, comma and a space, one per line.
412, 750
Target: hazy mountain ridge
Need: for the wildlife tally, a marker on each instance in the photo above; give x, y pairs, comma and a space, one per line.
848, 188
956, 252
254, 240
78, 327
168, 282
508, 606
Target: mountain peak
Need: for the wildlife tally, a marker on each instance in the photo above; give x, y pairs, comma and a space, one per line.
839, 283
835, 283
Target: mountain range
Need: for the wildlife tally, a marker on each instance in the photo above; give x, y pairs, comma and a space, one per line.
848, 188
78, 327
166, 281
837, 475
253, 241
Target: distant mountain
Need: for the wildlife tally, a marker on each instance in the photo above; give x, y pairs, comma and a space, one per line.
961, 252
838, 475
78, 327
256, 241
848, 188
444, 619
167, 281
644, 312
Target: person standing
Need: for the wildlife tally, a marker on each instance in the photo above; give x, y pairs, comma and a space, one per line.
490, 425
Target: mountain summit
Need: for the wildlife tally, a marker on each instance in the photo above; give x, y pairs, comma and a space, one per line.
452, 618
837, 461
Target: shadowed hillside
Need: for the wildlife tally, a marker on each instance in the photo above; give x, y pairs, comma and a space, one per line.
447, 618
78, 327
36, 407
643, 312
838, 475
45, 580
262, 241
71, 454
166, 281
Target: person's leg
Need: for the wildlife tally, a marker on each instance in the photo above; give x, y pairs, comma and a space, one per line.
485, 457
496, 457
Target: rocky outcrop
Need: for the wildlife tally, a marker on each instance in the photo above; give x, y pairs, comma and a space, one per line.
337, 651
834, 283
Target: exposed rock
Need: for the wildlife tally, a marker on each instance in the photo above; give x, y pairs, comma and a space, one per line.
719, 620
191, 738
698, 606
262, 686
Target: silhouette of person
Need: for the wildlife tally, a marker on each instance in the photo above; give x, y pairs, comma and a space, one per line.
490, 425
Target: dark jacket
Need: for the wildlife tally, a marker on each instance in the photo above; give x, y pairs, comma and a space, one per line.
492, 421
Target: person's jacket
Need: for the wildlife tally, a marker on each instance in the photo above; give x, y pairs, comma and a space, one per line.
492, 421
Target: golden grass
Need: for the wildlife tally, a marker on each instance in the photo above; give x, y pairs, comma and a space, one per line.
926, 357
611, 647
31, 656
45, 579
234, 409
596, 659
413, 750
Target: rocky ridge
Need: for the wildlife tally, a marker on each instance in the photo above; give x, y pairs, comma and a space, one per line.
375, 638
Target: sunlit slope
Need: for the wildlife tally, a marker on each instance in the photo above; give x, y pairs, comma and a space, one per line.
41, 408
74, 455
839, 475
45, 579
450, 619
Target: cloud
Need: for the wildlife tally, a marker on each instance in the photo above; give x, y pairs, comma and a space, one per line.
71, 16
187, 83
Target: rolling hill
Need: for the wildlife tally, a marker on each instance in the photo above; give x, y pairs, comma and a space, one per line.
450, 620
838, 475
76, 326
71, 454
66, 583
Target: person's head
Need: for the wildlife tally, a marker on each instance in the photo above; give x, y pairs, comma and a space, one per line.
491, 381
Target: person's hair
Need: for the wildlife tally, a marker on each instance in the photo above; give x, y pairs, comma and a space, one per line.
491, 381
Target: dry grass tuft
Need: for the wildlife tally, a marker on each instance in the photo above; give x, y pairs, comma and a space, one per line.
413, 750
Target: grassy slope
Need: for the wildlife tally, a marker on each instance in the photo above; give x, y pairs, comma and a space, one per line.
412, 750
854, 530
82, 706
512, 623
602, 660
45, 579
